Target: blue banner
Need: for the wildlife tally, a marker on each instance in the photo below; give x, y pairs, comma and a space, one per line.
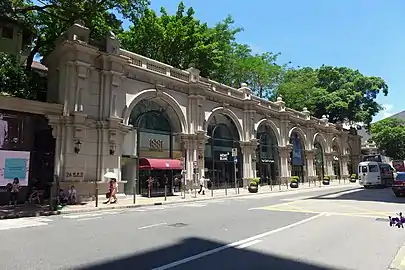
15, 168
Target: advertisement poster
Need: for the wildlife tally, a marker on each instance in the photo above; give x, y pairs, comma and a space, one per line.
14, 164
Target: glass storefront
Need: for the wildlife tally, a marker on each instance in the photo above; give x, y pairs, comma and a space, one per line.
336, 162
297, 157
219, 164
267, 156
155, 141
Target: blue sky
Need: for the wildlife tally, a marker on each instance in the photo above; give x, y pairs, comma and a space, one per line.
361, 34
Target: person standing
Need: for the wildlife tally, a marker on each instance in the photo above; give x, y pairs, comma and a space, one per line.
15, 188
150, 183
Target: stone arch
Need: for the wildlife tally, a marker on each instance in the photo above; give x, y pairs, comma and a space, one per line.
301, 134
336, 145
319, 138
227, 112
160, 97
272, 125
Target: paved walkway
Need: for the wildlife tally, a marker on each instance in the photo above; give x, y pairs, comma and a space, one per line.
28, 210
218, 193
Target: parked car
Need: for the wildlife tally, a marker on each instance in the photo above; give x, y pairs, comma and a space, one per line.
399, 184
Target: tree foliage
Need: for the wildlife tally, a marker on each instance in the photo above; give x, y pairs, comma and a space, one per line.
389, 136
51, 18
16, 81
340, 93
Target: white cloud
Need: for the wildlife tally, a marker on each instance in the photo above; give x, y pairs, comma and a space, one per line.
387, 111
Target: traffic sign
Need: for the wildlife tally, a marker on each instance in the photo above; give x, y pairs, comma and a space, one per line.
235, 160
234, 152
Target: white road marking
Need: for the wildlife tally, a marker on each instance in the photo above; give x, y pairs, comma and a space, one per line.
89, 218
248, 244
235, 244
151, 226
20, 223
296, 198
339, 194
136, 210
83, 215
194, 205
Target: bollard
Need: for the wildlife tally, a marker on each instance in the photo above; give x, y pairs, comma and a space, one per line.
134, 191
96, 196
165, 192
226, 187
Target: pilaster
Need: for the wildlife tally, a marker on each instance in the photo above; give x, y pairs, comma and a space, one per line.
310, 156
285, 167
248, 149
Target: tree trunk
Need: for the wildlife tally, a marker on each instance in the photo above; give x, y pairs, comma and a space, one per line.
34, 51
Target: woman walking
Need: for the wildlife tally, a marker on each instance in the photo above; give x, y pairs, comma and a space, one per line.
15, 188
112, 191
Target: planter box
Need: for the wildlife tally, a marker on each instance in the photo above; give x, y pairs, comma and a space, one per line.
326, 182
353, 180
253, 189
294, 185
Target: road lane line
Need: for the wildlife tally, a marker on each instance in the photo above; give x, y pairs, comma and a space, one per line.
238, 243
248, 244
89, 218
151, 226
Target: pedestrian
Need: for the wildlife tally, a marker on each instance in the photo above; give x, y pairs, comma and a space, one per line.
112, 190
72, 198
15, 188
150, 182
202, 183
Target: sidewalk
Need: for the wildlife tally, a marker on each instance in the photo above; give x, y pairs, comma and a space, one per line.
28, 210
190, 197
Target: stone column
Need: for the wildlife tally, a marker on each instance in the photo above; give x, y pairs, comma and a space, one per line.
285, 166
248, 150
328, 164
310, 159
344, 166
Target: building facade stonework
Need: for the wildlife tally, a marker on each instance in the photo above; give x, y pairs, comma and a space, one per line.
119, 106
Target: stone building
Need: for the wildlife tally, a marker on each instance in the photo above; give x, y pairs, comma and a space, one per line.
136, 117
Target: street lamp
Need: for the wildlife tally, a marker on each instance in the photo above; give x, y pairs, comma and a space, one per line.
113, 147
78, 146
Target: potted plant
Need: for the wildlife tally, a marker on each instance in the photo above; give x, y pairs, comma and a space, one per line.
326, 180
353, 178
294, 182
253, 186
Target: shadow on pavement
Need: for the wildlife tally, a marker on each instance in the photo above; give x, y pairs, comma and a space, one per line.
371, 195
230, 258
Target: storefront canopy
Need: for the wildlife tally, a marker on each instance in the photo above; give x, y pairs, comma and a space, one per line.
159, 164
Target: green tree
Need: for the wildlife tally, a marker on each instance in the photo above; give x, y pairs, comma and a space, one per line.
389, 136
181, 40
343, 94
259, 71
51, 18
16, 81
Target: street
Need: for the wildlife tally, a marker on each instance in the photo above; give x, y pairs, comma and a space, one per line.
343, 228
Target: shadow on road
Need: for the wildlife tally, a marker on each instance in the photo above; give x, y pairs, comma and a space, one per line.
371, 195
229, 258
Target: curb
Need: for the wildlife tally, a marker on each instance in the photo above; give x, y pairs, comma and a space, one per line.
63, 212
398, 263
96, 209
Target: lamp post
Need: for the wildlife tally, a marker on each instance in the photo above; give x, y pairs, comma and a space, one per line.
78, 146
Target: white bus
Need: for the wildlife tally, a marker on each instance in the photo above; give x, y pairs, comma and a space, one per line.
373, 173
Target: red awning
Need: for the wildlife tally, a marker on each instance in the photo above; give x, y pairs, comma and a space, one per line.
159, 164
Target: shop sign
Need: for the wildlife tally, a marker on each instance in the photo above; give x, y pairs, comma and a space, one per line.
156, 145
265, 160
223, 156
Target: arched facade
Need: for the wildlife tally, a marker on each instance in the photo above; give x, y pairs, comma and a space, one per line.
116, 101
219, 161
267, 157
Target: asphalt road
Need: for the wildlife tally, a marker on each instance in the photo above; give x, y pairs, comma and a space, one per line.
322, 229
